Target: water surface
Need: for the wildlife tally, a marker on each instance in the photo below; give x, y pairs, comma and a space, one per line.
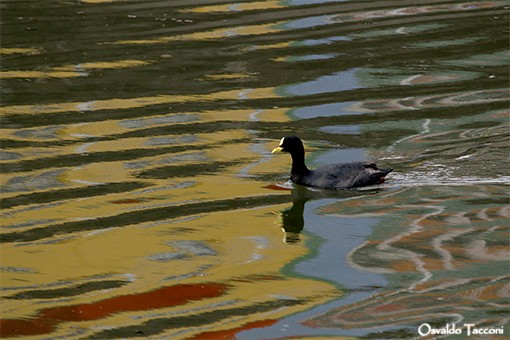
140, 197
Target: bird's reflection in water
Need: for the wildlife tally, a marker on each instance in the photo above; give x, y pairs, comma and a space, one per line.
292, 219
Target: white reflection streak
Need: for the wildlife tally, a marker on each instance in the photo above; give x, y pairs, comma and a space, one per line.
416, 258
81, 181
425, 128
86, 106
409, 81
243, 95
256, 148
445, 254
260, 243
83, 148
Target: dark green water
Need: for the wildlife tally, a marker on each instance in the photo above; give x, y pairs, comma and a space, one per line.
140, 197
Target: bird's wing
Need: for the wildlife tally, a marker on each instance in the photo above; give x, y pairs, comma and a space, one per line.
338, 175
347, 175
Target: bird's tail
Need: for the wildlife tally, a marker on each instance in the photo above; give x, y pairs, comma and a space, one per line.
386, 171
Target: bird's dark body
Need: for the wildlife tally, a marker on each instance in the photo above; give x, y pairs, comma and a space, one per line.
341, 176
332, 176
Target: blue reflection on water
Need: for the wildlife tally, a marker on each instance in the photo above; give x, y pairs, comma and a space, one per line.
331, 239
323, 41
307, 22
338, 237
309, 57
324, 110
337, 82
342, 129
340, 156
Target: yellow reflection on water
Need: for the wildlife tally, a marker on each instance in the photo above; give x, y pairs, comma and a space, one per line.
102, 65
130, 103
106, 128
227, 76
219, 33
18, 50
236, 7
269, 46
215, 182
246, 253
245, 241
69, 71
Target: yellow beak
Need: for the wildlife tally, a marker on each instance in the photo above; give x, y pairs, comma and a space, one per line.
278, 149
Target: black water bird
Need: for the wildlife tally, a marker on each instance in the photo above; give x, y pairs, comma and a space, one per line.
332, 176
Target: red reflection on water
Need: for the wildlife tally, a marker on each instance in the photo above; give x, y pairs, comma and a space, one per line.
47, 319
277, 187
18, 327
127, 201
231, 333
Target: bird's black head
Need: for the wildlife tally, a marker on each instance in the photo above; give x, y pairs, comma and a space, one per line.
290, 144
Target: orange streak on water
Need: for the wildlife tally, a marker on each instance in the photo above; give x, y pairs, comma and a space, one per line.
231, 333
276, 187
127, 201
47, 319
